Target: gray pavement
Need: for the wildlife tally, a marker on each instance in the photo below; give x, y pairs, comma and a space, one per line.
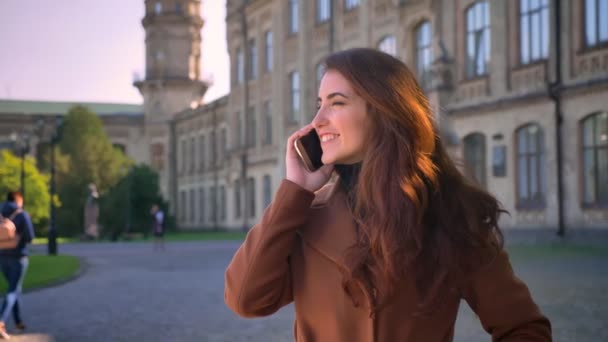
130, 293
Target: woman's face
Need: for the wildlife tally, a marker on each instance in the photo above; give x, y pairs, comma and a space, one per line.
341, 121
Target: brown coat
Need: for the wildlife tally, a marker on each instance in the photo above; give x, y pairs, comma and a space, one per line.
294, 253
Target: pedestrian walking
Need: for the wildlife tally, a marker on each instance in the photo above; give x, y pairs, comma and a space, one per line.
385, 239
158, 227
14, 258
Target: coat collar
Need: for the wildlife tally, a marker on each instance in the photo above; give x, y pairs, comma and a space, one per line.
331, 229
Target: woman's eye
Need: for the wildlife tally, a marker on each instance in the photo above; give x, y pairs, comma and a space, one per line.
337, 104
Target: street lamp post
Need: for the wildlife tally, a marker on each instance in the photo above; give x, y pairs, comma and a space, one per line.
52, 234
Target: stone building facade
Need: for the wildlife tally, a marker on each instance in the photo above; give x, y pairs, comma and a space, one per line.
517, 89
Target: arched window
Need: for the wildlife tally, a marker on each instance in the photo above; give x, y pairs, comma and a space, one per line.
594, 130
388, 44
475, 157
531, 175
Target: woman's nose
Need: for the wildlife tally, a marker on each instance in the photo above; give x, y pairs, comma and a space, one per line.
320, 119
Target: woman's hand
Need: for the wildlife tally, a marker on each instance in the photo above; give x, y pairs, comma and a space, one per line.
297, 173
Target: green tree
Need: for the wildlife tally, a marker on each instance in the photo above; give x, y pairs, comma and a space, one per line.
127, 205
37, 198
92, 158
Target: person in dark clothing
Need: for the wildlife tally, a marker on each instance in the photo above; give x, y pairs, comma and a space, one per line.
14, 261
158, 227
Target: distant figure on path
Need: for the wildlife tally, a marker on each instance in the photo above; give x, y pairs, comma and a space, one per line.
158, 227
14, 259
91, 214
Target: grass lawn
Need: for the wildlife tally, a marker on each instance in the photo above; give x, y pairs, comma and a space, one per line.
43, 240
45, 270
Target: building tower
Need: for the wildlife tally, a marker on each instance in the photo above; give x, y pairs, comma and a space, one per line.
172, 79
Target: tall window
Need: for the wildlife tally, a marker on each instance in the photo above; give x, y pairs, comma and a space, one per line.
475, 157
534, 30
184, 155
251, 127
424, 53
388, 44
293, 16
294, 84
251, 195
323, 10
478, 39
350, 4
192, 203
183, 205
268, 51
267, 190
201, 147
179, 9
596, 22
530, 165
238, 131
201, 205
237, 198
192, 154
213, 204
222, 203
240, 66
214, 152
595, 159
224, 145
267, 123
158, 8
253, 60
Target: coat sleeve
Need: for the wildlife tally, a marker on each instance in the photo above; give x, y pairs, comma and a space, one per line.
504, 304
258, 279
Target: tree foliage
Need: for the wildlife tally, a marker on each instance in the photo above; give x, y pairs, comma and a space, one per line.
92, 159
36, 196
126, 207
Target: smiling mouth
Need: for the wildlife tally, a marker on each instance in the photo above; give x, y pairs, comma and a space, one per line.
328, 137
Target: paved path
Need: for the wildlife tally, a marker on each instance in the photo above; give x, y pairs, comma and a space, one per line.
129, 293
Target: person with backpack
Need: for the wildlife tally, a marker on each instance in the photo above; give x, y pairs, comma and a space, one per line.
16, 232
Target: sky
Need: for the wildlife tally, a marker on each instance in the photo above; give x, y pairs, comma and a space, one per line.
89, 50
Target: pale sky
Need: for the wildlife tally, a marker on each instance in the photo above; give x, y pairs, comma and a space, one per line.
88, 50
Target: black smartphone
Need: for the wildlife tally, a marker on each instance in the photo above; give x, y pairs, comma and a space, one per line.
309, 149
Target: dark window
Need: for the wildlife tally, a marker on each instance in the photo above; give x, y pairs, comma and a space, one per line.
530, 166
268, 123
253, 60
251, 195
268, 53
237, 199
223, 203
201, 205
595, 159
475, 157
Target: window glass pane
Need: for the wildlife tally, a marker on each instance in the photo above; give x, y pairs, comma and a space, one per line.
543, 175
478, 15
601, 129
481, 48
602, 175
522, 141
470, 20
545, 32
534, 188
525, 39
590, 24
589, 175
534, 4
523, 6
522, 177
603, 20
588, 131
535, 35
532, 139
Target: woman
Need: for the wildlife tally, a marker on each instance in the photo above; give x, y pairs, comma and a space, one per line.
385, 252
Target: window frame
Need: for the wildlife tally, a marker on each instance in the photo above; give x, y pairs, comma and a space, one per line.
595, 148
424, 67
484, 31
544, 5
537, 157
469, 171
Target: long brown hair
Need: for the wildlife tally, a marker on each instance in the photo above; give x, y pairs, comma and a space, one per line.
415, 212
